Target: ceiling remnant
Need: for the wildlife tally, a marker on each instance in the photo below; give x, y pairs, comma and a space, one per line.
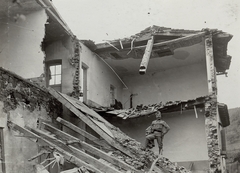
167, 42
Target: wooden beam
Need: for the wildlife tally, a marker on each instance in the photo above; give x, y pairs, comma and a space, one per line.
84, 133
98, 164
77, 153
74, 170
146, 56
89, 148
68, 156
91, 124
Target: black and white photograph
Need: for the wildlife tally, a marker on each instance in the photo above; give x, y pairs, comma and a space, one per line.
119, 86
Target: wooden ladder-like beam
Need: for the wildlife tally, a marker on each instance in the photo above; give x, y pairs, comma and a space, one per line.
87, 135
53, 143
91, 149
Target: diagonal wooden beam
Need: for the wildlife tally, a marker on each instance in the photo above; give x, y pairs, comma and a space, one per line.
68, 156
146, 56
67, 137
91, 124
84, 133
76, 152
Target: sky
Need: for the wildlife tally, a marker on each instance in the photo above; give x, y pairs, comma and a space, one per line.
101, 20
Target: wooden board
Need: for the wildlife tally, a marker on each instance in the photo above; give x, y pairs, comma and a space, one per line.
59, 144
91, 124
87, 135
68, 156
67, 137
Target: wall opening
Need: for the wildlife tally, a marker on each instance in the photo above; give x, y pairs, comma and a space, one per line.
54, 74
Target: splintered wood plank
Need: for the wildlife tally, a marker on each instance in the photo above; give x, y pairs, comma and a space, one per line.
74, 170
102, 126
76, 152
81, 106
98, 164
91, 124
67, 137
83, 133
68, 156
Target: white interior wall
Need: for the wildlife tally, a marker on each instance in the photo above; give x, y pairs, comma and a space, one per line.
20, 44
99, 78
181, 83
186, 135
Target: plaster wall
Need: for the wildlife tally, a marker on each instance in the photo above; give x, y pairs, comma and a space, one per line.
20, 44
99, 79
186, 140
181, 83
23, 103
62, 50
19, 149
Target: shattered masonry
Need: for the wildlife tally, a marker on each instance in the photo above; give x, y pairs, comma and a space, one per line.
211, 130
211, 123
75, 62
18, 91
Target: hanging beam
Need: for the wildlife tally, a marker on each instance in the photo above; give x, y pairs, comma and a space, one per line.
91, 124
146, 56
84, 133
89, 148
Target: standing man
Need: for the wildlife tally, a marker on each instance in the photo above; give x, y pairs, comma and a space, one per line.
157, 130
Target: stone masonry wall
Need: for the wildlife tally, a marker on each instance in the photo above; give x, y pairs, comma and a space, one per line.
15, 91
211, 121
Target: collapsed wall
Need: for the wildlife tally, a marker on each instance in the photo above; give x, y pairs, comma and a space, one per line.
23, 103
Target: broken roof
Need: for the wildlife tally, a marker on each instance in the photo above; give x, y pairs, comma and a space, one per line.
166, 40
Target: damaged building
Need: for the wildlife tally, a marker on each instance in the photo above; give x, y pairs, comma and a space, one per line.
74, 116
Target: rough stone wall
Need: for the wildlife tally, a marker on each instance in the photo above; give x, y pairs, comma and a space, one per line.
211, 126
16, 91
75, 61
211, 121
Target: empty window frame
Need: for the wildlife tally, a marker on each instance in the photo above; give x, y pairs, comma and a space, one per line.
55, 74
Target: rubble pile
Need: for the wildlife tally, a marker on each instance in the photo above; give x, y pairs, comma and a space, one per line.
144, 158
169, 166
142, 110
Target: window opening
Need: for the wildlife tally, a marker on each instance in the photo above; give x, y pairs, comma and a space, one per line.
55, 74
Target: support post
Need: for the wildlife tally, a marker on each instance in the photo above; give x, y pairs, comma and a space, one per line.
146, 56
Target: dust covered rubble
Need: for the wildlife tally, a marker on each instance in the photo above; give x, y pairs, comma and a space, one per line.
143, 158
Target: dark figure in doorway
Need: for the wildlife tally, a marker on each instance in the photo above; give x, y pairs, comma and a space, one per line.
157, 130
